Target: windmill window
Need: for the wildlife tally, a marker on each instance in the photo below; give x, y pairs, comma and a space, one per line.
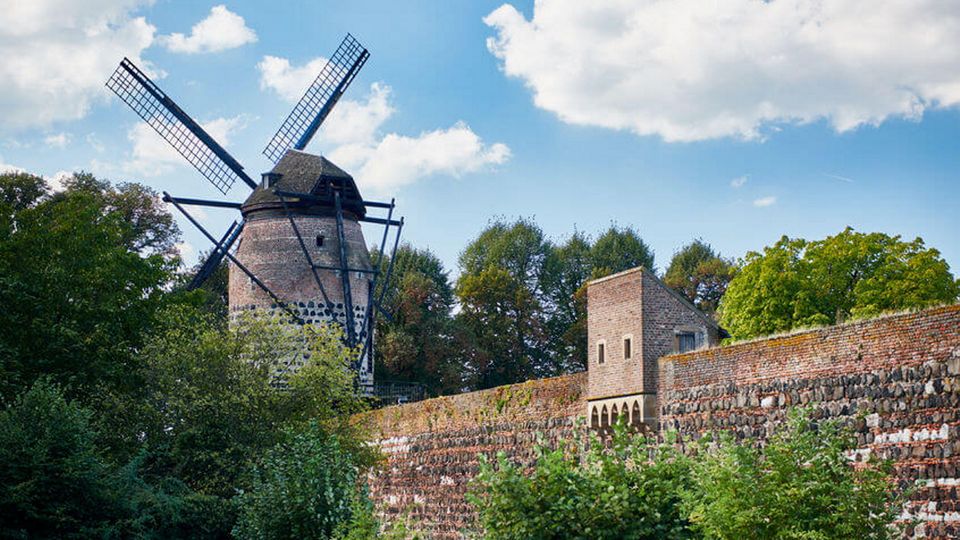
320, 240
601, 352
628, 347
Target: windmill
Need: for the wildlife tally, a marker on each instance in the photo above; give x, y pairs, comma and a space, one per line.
298, 247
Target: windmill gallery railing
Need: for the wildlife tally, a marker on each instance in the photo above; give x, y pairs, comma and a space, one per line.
397, 392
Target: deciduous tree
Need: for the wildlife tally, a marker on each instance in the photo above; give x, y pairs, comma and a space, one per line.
698, 273
796, 283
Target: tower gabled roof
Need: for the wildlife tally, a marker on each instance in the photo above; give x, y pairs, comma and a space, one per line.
301, 172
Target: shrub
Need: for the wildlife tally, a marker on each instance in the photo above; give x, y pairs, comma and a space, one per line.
800, 485
306, 487
629, 489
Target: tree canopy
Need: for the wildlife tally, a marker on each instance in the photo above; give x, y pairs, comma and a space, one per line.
523, 299
82, 277
700, 274
796, 283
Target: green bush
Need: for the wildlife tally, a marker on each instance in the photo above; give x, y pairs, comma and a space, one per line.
306, 487
801, 485
53, 484
629, 489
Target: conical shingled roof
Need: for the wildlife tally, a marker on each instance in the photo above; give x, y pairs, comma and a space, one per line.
300, 172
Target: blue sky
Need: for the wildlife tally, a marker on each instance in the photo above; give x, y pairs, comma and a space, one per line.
651, 115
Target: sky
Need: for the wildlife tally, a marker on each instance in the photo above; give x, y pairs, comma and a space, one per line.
735, 122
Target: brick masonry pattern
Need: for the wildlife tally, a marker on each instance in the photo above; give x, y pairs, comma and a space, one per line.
896, 378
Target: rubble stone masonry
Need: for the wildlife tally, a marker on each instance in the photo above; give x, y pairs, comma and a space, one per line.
896, 378
431, 447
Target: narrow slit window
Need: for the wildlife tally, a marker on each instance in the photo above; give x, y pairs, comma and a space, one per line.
627, 348
601, 352
320, 240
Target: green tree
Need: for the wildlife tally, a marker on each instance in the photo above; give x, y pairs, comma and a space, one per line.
796, 283
619, 249
418, 344
53, 483
800, 485
81, 281
594, 491
700, 274
568, 268
305, 487
220, 397
502, 315
500, 295
523, 298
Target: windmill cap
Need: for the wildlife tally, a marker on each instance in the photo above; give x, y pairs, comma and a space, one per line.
300, 172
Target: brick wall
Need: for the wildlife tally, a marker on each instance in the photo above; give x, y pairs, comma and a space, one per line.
897, 379
615, 310
664, 313
431, 446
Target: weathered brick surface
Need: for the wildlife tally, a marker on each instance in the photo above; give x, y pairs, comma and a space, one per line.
635, 303
432, 446
270, 249
896, 379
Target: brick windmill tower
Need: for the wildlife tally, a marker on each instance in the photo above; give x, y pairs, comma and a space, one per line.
298, 248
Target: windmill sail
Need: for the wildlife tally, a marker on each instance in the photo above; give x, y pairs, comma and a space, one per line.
176, 127
318, 101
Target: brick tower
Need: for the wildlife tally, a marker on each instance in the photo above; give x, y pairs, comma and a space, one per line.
633, 319
270, 248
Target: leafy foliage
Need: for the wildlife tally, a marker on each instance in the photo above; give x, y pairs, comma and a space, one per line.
419, 344
82, 274
699, 274
629, 489
147, 412
523, 298
800, 485
796, 283
304, 488
53, 483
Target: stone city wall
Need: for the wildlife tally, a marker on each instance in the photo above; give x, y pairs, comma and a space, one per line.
431, 446
896, 378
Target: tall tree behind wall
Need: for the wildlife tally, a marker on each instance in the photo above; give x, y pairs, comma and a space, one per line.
700, 275
796, 283
523, 298
418, 344
501, 303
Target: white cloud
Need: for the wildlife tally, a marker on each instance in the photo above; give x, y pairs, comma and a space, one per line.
287, 81
153, 156
186, 250
221, 30
738, 182
764, 201
8, 168
838, 177
56, 54
56, 180
689, 70
383, 161
59, 140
